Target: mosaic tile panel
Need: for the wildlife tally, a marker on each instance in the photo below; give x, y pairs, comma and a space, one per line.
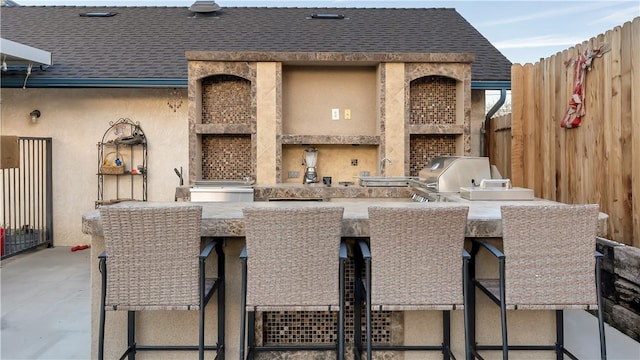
301, 327
319, 327
226, 99
432, 100
226, 157
296, 328
423, 148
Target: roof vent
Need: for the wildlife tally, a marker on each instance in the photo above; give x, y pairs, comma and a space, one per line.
327, 16
99, 14
204, 7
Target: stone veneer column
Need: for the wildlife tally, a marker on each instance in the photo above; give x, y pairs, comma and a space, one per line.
394, 132
268, 122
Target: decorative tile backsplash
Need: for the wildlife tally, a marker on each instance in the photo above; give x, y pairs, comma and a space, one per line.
423, 148
432, 100
226, 99
226, 157
319, 327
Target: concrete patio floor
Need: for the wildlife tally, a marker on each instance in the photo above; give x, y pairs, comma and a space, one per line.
45, 301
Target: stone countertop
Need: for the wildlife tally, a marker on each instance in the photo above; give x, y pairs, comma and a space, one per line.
224, 219
295, 191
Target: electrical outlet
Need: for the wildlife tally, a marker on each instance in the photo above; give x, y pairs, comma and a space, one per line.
347, 114
293, 174
335, 114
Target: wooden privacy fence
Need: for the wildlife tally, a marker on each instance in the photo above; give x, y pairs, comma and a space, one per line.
597, 162
499, 144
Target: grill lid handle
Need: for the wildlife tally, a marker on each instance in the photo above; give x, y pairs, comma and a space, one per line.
506, 183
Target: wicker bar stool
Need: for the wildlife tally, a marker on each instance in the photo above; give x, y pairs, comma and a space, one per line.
548, 263
416, 261
152, 261
293, 260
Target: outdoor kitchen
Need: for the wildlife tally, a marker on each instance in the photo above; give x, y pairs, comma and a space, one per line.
358, 110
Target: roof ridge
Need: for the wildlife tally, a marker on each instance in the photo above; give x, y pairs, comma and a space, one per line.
233, 7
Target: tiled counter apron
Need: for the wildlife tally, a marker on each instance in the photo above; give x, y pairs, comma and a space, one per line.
225, 220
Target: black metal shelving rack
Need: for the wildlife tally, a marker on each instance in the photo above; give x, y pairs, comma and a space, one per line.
124, 137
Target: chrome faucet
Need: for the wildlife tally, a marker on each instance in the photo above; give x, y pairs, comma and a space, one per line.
383, 166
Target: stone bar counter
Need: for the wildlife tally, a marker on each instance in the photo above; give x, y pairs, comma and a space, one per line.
224, 219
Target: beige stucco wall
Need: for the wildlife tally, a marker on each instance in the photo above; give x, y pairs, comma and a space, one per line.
309, 93
76, 120
335, 161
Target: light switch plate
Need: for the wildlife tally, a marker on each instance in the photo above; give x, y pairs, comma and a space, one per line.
335, 114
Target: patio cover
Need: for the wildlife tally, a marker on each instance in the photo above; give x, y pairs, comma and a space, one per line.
14, 53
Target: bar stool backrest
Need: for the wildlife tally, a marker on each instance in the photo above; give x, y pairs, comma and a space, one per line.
293, 257
416, 257
152, 257
549, 253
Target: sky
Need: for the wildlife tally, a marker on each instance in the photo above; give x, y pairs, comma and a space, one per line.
524, 31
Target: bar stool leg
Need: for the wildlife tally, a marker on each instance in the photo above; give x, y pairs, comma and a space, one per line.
103, 269
243, 308
131, 334
221, 298
368, 307
340, 347
357, 309
559, 335
503, 312
603, 341
446, 332
466, 291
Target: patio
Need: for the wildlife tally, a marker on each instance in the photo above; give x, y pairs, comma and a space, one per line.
45, 299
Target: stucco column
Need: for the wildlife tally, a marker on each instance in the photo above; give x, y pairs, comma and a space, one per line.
394, 122
267, 122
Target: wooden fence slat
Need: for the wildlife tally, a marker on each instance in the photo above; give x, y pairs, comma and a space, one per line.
558, 143
529, 127
574, 146
544, 127
608, 133
564, 92
597, 188
613, 140
597, 180
626, 151
635, 121
517, 139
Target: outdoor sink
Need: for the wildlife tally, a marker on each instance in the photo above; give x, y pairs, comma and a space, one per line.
385, 181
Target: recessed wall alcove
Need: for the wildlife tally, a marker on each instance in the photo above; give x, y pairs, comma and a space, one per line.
226, 107
437, 114
222, 121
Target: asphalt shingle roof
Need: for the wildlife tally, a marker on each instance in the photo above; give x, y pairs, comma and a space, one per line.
150, 42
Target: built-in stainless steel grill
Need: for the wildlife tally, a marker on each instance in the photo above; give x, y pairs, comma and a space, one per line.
447, 174
469, 176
